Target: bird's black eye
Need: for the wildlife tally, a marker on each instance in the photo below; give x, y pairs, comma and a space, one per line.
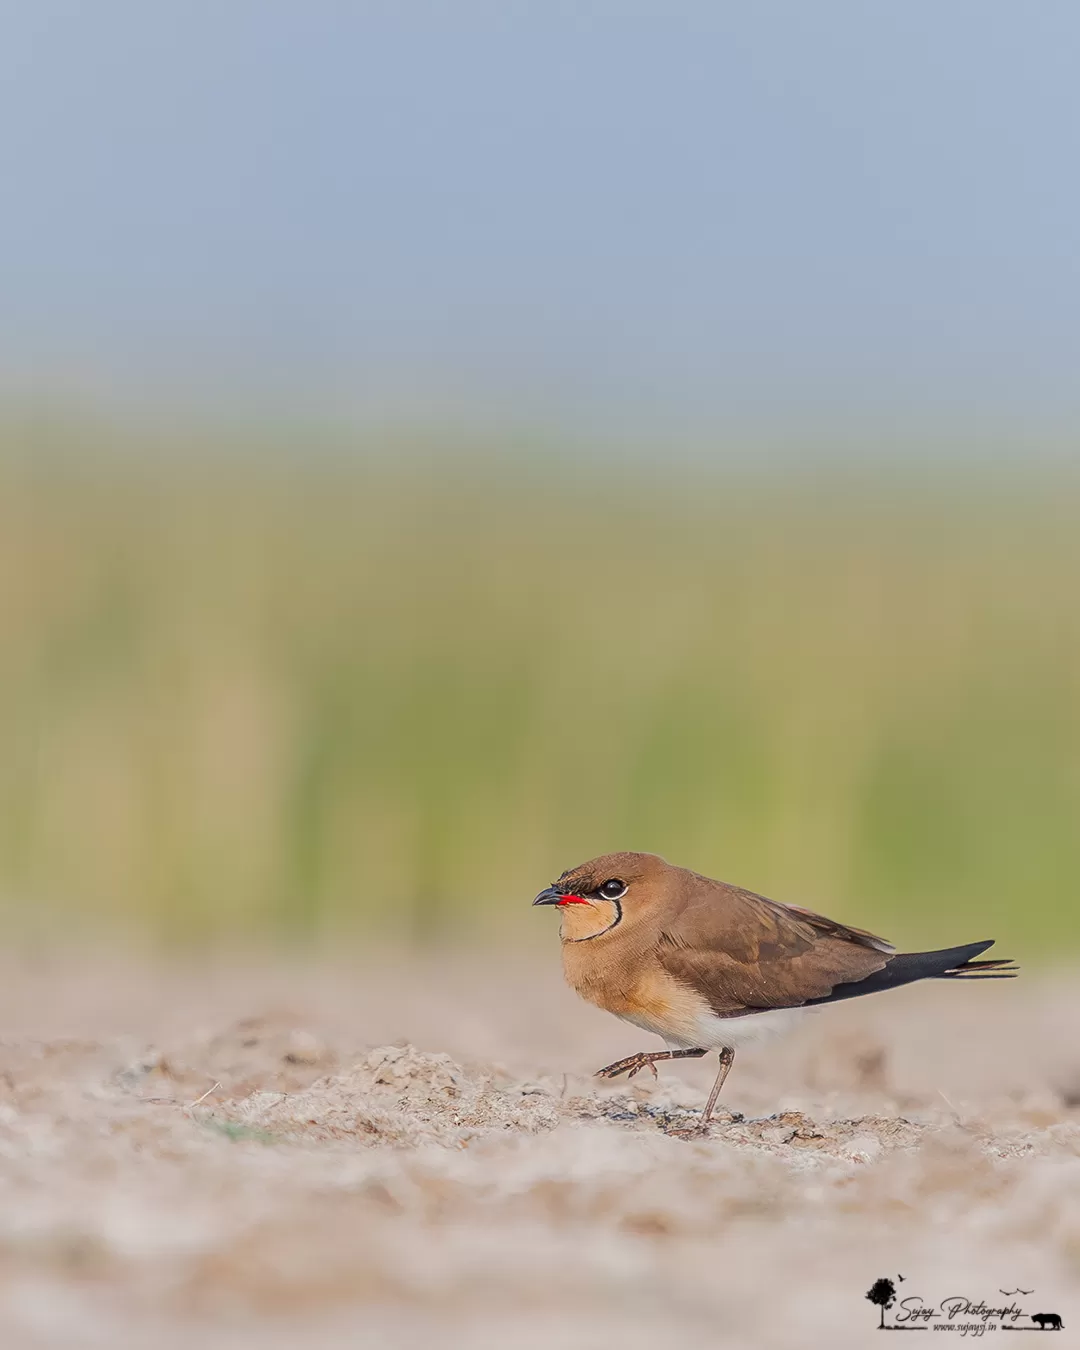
613, 889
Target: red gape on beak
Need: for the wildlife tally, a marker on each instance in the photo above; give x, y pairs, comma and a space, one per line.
551, 896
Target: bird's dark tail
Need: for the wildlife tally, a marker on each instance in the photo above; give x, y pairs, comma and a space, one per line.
953, 963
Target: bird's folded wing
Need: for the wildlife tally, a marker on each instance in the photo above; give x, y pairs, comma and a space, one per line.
745, 953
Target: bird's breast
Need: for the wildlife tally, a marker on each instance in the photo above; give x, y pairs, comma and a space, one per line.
638, 990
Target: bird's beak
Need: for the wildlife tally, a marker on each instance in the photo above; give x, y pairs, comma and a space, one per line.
551, 896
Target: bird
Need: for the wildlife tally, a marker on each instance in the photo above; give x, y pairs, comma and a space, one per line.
710, 966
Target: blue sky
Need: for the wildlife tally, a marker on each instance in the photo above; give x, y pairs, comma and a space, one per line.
681, 215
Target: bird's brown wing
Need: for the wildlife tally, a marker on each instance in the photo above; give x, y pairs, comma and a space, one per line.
746, 953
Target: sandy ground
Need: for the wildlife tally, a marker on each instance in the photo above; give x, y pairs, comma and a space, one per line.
391, 1153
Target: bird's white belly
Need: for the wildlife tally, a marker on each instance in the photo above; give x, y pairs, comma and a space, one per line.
716, 1033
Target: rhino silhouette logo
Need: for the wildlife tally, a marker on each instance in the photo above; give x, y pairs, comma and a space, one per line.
1051, 1320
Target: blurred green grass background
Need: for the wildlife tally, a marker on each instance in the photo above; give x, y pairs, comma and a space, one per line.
324, 698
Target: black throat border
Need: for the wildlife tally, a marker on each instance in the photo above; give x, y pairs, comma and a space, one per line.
603, 931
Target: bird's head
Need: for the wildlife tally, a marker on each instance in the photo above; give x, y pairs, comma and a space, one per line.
598, 896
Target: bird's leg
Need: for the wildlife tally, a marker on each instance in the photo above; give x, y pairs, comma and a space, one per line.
635, 1063
727, 1059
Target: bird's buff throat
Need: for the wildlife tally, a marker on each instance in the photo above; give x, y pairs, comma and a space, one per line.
584, 919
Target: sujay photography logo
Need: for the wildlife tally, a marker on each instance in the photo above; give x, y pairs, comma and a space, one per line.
958, 1313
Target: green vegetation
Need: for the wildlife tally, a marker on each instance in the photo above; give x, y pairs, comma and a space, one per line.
238, 1133
245, 695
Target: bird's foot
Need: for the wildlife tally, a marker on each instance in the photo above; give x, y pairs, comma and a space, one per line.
631, 1065
689, 1132
702, 1129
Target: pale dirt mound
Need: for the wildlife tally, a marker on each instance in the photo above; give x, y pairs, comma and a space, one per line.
264, 1158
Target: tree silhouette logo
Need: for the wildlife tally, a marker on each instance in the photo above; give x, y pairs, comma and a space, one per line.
883, 1293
